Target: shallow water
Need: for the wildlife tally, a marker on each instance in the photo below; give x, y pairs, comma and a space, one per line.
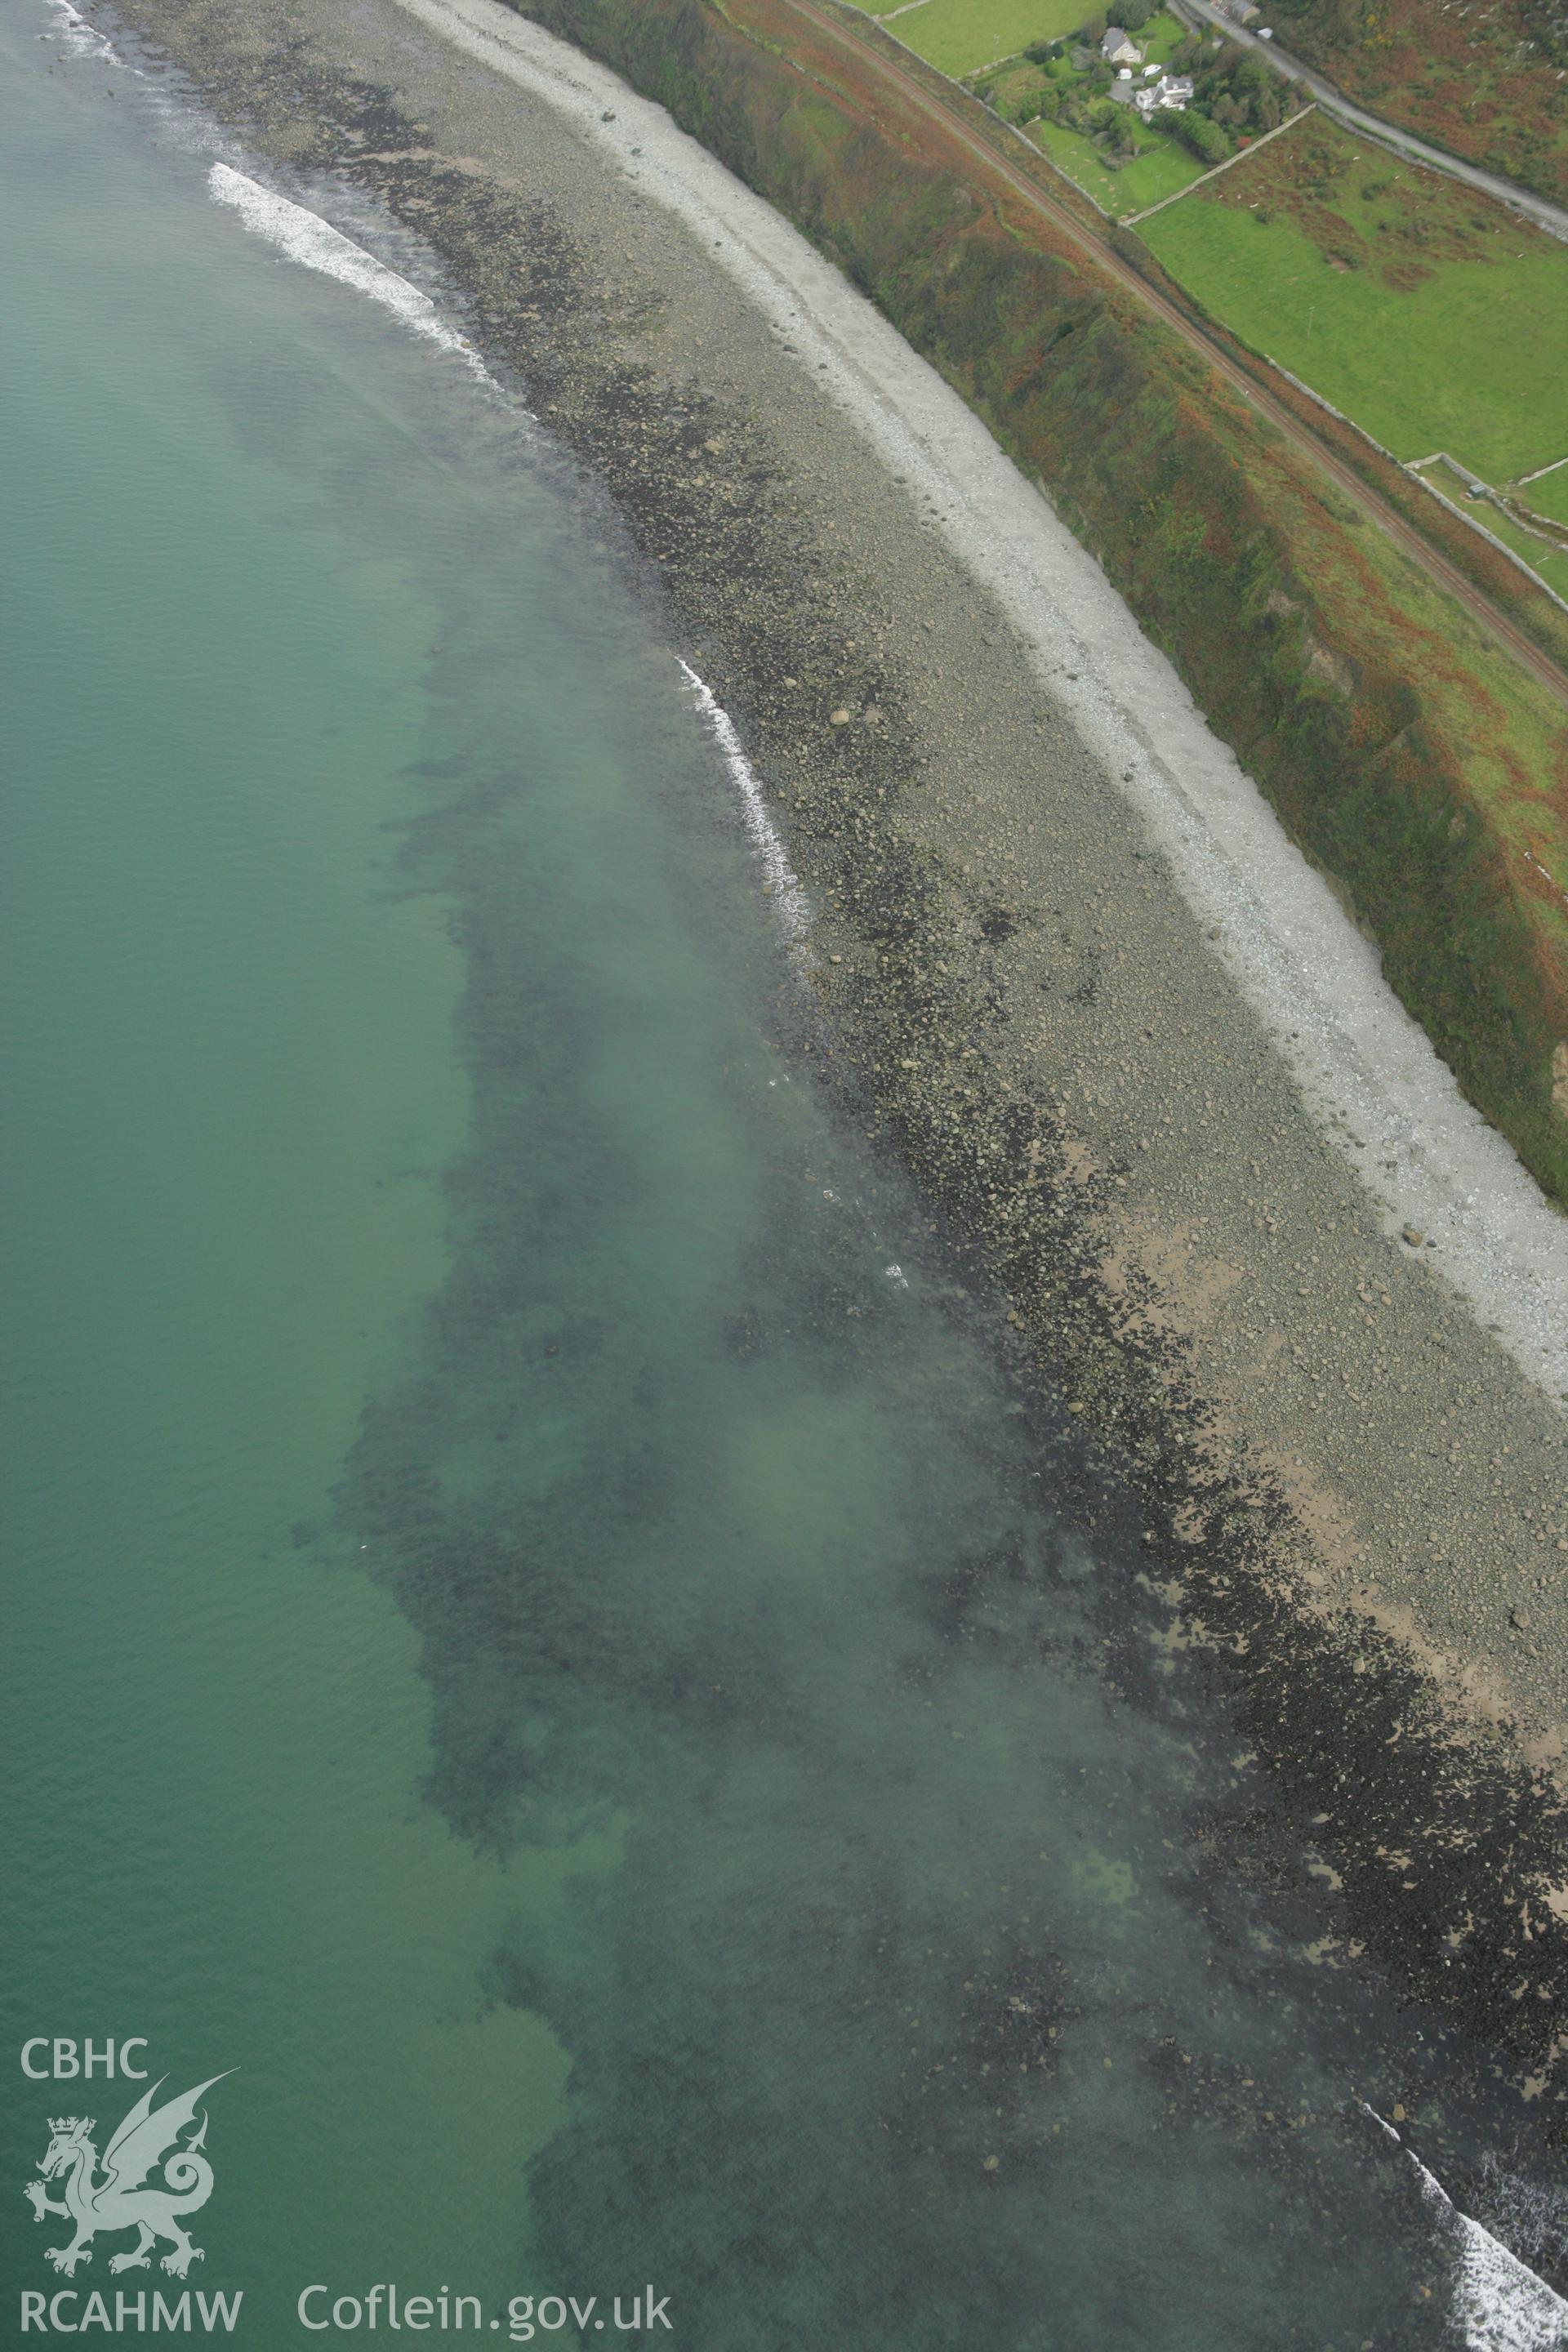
538, 1631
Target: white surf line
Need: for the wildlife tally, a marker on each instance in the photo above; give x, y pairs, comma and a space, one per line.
1363, 1067
1498, 2303
84, 41
179, 121
305, 238
788, 893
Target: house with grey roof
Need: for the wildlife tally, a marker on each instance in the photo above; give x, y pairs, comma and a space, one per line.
1170, 94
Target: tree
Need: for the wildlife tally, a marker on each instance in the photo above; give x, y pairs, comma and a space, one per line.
1206, 139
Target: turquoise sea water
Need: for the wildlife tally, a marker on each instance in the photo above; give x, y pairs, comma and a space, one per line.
535, 1633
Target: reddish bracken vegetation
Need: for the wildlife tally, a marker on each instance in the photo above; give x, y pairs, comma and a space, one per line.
1487, 79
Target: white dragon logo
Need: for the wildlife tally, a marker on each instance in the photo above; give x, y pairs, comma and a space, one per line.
146, 2139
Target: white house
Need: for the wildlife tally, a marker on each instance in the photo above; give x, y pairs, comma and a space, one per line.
1117, 50
1170, 94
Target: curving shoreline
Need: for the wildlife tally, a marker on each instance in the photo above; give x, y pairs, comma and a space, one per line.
1018, 990
1307, 971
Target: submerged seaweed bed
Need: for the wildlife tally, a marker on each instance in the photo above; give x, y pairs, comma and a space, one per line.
1440, 1846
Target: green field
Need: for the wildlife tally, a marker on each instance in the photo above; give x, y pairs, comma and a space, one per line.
962, 35
1551, 564
1434, 318
1159, 37
1159, 171
1549, 496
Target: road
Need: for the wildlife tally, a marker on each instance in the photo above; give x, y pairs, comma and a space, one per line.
948, 115
1539, 209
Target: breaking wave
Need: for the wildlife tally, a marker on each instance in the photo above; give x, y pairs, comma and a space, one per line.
306, 239
784, 883
80, 39
1498, 2304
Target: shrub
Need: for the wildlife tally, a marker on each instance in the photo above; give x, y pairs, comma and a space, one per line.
1016, 94
1206, 139
1234, 89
